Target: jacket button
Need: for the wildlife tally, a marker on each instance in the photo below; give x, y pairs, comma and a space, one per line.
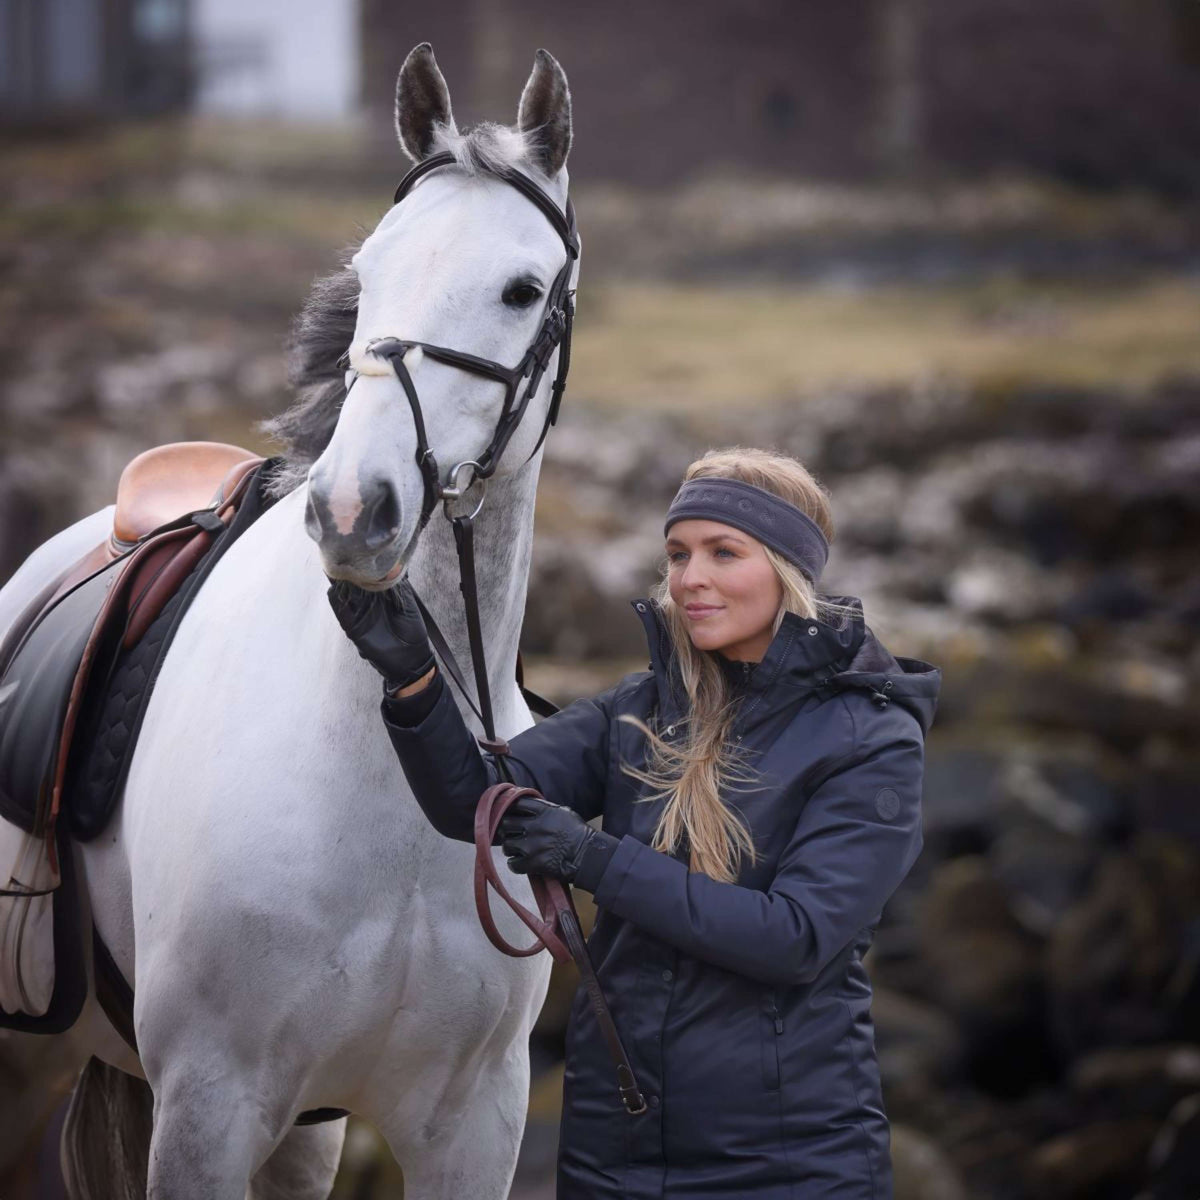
668, 976
653, 1101
813, 631
670, 731
640, 607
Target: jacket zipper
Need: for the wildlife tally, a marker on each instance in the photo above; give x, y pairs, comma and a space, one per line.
776, 1016
746, 669
771, 1066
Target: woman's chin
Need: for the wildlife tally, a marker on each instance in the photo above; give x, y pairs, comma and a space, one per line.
706, 639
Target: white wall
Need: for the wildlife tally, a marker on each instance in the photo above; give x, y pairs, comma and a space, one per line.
295, 59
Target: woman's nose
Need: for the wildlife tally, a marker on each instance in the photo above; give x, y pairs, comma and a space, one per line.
694, 575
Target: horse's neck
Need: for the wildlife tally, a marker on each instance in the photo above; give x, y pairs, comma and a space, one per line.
503, 545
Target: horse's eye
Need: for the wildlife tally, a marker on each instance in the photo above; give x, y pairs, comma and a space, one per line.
521, 294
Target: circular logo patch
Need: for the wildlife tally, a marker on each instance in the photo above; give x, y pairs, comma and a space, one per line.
887, 804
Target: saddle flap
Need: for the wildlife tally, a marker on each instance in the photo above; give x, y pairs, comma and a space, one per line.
34, 692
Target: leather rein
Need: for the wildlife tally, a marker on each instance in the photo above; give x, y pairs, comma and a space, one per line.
556, 926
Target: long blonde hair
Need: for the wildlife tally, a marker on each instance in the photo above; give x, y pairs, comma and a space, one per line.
691, 774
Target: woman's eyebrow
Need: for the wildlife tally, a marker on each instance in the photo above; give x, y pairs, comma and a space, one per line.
708, 541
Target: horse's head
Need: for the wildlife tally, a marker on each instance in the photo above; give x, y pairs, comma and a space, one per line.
466, 262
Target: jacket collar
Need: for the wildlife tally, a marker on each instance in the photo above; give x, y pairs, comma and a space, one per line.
805, 655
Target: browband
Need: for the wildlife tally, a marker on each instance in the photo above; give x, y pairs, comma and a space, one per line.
753, 510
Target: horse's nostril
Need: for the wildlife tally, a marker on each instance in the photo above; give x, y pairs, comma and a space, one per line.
382, 512
312, 518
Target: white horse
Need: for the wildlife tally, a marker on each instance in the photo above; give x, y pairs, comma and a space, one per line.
297, 934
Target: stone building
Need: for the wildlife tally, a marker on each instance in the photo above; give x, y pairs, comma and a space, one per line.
1099, 92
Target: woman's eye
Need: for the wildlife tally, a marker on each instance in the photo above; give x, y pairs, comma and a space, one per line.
521, 295
678, 554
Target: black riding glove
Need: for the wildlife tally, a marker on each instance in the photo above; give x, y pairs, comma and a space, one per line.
541, 838
387, 629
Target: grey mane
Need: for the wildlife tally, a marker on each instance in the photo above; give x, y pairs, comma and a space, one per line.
321, 334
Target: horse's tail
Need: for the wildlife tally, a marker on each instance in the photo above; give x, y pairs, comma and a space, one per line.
106, 1137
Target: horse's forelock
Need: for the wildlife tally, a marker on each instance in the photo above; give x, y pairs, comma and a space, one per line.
487, 147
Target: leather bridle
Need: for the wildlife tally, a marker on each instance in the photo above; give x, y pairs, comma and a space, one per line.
557, 909
555, 332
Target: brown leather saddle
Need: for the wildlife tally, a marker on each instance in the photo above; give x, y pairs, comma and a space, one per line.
178, 508
172, 504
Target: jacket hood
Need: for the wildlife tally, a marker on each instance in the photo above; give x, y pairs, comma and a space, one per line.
810, 654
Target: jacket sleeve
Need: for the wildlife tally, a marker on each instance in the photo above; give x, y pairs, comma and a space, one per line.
564, 756
856, 838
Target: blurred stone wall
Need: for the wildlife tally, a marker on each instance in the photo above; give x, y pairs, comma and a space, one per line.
661, 91
1098, 92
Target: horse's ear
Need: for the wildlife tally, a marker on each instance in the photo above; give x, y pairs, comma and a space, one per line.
545, 113
422, 102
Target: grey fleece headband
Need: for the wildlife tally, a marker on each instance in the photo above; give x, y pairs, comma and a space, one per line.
763, 515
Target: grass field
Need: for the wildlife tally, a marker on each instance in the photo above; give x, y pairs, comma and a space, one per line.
682, 347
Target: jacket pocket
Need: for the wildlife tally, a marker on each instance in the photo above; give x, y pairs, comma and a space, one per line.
771, 1025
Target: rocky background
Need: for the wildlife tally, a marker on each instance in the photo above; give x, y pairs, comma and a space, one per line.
1000, 384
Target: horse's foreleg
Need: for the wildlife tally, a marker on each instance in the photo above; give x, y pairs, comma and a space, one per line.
303, 1165
467, 1149
211, 1134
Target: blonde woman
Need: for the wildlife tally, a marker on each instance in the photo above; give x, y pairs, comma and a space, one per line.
759, 797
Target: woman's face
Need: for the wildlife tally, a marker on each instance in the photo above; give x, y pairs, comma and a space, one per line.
724, 586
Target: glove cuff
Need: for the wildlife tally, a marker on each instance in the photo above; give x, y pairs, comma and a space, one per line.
411, 710
593, 858
411, 674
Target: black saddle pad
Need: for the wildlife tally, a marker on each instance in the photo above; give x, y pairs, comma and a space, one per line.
108, 728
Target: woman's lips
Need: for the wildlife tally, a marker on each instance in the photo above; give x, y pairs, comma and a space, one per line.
698, 612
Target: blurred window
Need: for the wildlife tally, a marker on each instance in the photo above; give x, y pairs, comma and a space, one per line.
159, 20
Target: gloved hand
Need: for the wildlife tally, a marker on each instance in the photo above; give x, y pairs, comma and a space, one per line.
387, 629
541, 838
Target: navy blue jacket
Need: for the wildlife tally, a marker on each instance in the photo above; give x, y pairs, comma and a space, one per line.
744, 1006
